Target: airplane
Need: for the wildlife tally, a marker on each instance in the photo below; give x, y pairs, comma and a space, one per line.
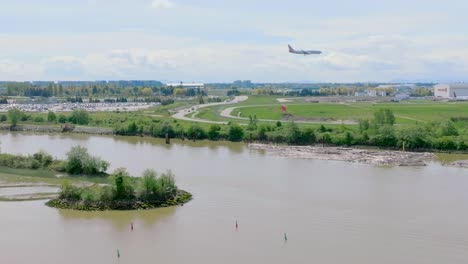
304, 52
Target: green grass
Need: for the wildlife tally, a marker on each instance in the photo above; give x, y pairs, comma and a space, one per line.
406, 113
15, 176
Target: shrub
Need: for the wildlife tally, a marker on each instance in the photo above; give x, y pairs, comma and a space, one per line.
79, 117
51, 117
39, 119
122, 187
69, 192
43, 158
62, 119
80, 162
196, 132
3, 118
236, 133
214, 132
15, 115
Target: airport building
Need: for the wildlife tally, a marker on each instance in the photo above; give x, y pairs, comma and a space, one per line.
456, 90
186, 85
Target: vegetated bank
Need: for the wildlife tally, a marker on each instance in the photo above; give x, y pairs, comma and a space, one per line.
379, 131
115, 191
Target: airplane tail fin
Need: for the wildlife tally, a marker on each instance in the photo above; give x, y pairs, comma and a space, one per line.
290, 48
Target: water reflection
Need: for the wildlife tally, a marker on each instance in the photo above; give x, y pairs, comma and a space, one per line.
120, 220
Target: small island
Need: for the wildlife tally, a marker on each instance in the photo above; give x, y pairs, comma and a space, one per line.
86, 185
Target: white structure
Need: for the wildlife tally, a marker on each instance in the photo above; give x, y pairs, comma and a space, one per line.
186, 85
455, 90
372, 93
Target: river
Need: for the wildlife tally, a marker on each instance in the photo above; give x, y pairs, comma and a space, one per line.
332, 212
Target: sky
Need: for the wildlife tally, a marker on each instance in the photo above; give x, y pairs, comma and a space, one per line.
223, 41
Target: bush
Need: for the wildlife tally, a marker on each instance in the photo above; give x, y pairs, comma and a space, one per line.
385, 137
43, 158
214, 132
414, 138
3, 118
122, 185
62, 119
69, 192
236, 133
39, 119
79, 117
445, 143
196, 132
15, 115
384, 117
80, 162
51, 117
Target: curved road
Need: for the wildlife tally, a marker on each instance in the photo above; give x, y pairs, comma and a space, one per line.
181, 114
227, 113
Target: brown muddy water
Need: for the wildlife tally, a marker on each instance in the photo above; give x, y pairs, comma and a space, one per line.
332, 212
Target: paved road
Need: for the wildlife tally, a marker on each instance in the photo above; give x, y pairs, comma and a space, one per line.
181, 114
227, 113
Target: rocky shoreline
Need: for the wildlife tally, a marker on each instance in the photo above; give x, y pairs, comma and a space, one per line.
460, 164
364, 156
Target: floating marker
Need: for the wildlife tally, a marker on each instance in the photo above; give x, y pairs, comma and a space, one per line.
285, 237
118, 253
131, 226
237, 226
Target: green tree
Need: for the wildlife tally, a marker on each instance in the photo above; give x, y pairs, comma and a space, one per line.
15, 115
252, 123
122, 185
51, 117
414, 138
148, 184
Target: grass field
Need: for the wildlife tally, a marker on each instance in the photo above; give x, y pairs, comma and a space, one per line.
406, 113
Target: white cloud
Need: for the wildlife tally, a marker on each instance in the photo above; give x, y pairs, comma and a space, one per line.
162, 4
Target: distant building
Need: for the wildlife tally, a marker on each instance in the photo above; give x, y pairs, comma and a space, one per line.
381, 93
360, 94
372, 93
186, 85
455, 90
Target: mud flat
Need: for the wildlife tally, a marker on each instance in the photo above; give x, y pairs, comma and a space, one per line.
373, 157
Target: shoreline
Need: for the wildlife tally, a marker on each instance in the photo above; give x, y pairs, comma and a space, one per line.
181, 198
58, 129
367, 155
375, 157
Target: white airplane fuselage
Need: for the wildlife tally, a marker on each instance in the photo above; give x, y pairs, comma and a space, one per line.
303, 52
